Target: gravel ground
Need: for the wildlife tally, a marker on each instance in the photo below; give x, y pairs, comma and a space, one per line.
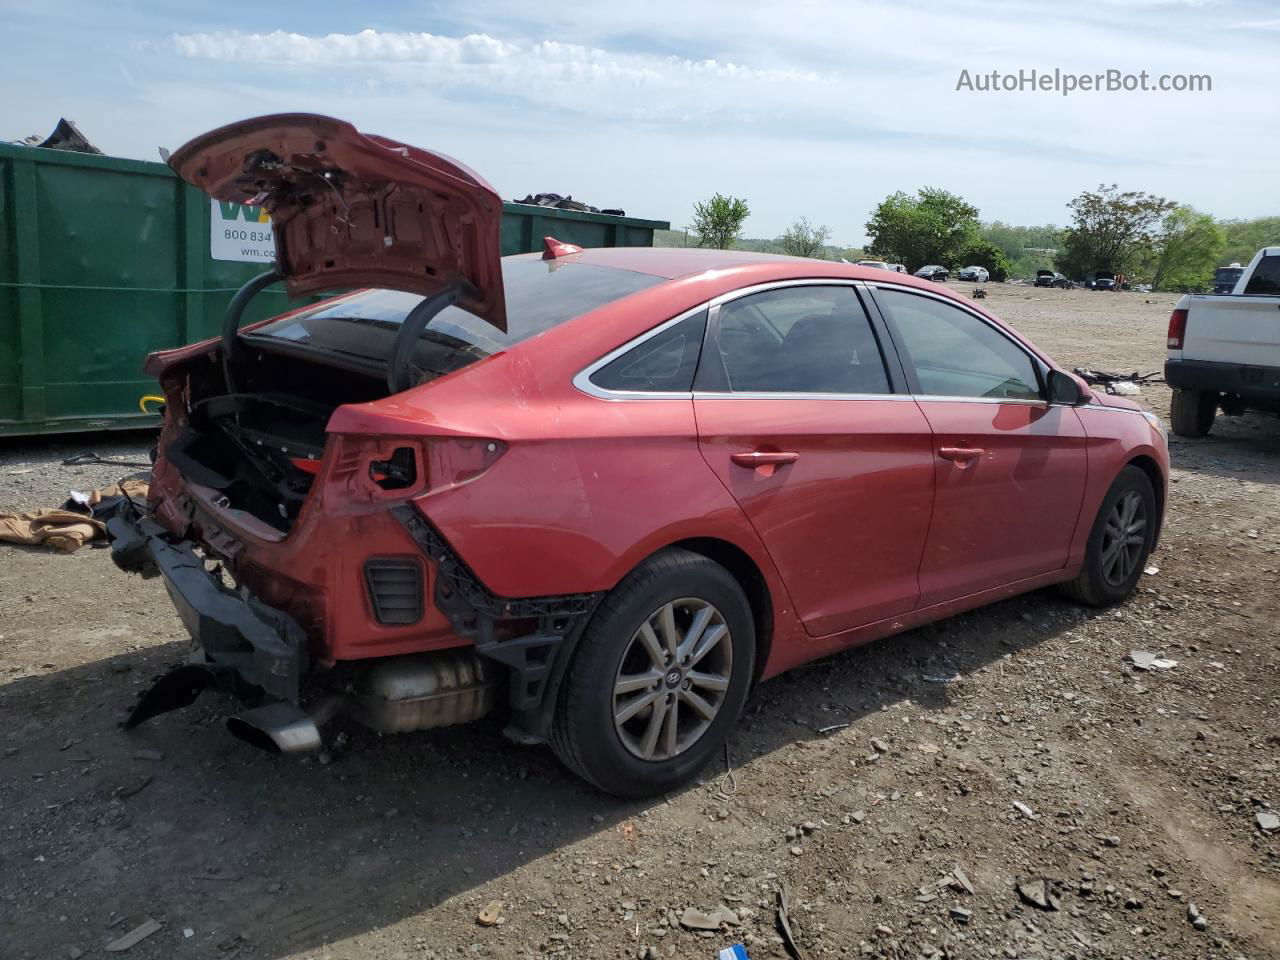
1127, 803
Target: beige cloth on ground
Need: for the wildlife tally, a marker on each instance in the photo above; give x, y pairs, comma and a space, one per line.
65, 530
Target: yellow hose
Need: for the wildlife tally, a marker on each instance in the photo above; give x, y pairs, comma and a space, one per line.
150, 398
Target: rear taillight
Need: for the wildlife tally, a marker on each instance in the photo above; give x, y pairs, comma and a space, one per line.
1177, 329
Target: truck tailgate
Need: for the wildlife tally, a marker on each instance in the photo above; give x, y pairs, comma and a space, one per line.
1233, 329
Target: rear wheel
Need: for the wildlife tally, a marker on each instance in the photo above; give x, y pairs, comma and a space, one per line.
659, 678
1119, 543
1192, 412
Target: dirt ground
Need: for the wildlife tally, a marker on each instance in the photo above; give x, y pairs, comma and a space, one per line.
1131, 795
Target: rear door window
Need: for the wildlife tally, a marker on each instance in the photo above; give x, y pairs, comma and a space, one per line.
954, 353
802, 339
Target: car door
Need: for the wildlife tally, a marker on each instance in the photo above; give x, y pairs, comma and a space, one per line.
1010, 467
813, 434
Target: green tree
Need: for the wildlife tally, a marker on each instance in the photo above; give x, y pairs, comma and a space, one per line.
984, 253
1185, 251
1015, 241
803, 239
1247, 237
1110, 230
718, 222
934, 226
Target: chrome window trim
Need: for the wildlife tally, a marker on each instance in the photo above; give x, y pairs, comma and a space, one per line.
794, 395
582, 380
782, 284
943, 398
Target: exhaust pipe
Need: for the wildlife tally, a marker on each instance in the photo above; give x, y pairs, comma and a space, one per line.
277, 728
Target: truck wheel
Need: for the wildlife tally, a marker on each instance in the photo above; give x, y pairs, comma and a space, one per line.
1119, 542
658, 679
1192, 412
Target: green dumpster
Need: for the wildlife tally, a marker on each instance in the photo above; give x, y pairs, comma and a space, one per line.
103, 260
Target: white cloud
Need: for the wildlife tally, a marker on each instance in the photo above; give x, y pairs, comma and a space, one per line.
566, 77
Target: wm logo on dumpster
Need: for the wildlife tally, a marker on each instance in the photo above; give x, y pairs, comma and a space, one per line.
235, 211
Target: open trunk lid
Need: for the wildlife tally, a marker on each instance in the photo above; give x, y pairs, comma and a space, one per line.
351, 209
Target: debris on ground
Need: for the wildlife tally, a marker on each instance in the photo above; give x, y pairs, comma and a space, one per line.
1195, 917
1039, 894
695, 919
135, 936
491, 915
784, 925
69, 527
1268, 822
959, 880
1143, 660
1023, 809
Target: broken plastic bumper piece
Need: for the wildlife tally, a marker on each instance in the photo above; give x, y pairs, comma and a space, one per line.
241, 641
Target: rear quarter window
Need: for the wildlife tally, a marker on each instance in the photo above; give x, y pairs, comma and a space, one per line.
664, 363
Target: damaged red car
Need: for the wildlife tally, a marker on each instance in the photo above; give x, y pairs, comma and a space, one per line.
602, 491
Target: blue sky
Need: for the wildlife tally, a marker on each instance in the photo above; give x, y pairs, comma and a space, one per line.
804, 109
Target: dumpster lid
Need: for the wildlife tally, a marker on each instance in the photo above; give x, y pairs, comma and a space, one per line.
350, 209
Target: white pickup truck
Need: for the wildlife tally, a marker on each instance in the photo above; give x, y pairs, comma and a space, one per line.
1224, 350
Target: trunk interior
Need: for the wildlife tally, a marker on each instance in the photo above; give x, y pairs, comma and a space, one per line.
260, 446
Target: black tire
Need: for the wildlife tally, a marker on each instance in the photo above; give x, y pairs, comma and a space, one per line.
1192, 412
584, 734
1096, 586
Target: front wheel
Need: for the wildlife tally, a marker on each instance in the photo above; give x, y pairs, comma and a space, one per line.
1119, 543
1192, 412
659, 677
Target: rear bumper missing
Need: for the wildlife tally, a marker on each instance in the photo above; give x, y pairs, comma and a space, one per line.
236, 636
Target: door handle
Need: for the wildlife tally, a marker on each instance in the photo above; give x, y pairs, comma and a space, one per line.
962, 455
764, 462
764, 458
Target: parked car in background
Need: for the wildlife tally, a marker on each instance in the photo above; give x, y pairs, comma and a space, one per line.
934, 272
1224, 349
1051, 278
898, 268
877, 264
602, 491
976, 274
1104, 280
1226, 278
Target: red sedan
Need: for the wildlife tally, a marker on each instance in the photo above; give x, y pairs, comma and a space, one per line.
614, 488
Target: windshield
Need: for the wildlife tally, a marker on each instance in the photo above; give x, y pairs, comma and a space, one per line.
540, 295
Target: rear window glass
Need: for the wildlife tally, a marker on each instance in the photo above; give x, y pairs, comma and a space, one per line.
540, 295
1265, 281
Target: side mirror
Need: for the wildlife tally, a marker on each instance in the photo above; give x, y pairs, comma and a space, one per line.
1064, 389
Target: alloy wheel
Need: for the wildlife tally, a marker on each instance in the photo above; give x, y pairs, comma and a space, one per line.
672, 679
1123, 538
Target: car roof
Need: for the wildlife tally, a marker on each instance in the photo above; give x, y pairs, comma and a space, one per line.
674, 262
